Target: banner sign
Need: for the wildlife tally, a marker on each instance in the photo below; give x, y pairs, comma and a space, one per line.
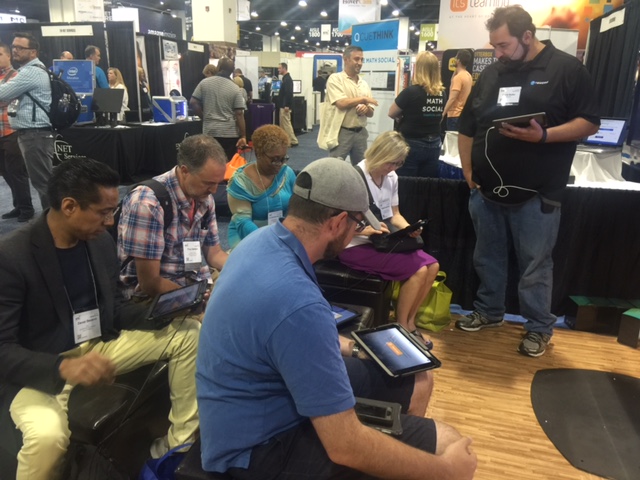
428, 32
89, 10
352, 12
77, 73
9, 18
325, 33
380, 60
482, 58
462, 22
376, 36
195, 47
155, 23
67, 30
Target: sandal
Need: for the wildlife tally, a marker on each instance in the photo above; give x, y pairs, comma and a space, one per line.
417, 334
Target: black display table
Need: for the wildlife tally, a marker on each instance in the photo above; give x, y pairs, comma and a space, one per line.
134, 151
596, 253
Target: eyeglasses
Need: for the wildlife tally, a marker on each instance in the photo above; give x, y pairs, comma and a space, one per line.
397, 164
20, 48
277, 161
360, 224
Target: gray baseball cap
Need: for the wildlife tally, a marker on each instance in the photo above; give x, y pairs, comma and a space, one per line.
335, 183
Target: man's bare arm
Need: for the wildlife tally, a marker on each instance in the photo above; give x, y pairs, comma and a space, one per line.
465, 145
150, 281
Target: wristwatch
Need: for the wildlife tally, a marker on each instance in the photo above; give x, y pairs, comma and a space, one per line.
356, 350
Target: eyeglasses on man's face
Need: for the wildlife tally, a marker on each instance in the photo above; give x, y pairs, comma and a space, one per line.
277, 161
20, 48
360, 224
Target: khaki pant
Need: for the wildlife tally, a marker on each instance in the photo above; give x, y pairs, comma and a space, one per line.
42, 418
285, 124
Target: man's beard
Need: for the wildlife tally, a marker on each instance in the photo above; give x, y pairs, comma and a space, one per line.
515, 64
335, 247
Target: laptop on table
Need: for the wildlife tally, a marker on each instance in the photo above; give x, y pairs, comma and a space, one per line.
609, 138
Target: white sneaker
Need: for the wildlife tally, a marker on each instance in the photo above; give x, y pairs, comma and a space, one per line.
159, 447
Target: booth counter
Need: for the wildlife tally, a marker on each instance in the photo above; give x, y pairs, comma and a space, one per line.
134, 151
587, 167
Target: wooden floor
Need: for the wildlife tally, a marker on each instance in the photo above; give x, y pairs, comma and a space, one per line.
483, 390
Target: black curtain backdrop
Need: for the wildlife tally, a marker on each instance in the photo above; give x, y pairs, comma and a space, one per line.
122, 55
51, 47
191, 65
612, 61
596, 253
154, 73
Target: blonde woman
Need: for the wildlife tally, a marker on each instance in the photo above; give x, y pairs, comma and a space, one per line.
416, 269
238, 81
116, 81
418, 111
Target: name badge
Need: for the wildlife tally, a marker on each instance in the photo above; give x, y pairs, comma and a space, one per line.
86, 325
273, 217
385, 209
192, 255
509, 96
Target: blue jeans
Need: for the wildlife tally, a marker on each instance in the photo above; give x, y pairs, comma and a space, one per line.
452, 124
423, 157
534, 235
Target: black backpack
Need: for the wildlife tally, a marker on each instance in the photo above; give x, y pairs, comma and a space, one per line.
161, 193
65, 106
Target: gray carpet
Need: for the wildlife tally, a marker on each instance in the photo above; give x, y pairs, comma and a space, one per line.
299, 157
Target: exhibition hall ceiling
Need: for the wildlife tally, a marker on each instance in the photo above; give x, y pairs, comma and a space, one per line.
270, 14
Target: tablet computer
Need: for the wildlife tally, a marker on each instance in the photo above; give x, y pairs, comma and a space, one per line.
522, 121
395, 350
168, 305
383, 416
343, 315
398, 234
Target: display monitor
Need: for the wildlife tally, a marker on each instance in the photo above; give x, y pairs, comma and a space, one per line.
297, 87
107, 100
612, 133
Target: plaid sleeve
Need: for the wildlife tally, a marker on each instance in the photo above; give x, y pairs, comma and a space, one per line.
141, 227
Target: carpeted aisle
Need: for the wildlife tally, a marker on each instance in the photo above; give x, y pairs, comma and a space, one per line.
592, 418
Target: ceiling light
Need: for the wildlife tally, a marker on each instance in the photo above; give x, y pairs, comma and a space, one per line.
302, 3
283, 23
412, 28
417, 32
323, 13
292, 37
318, 44
258, 29
306, 40
254, 14
384, 3
277, 33
161, 2
174, 15
17, 11
298, 27
395, 13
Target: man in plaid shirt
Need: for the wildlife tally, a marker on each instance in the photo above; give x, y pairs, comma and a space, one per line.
11, 163
190, 245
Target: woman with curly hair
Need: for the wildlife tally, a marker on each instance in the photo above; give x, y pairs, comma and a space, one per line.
259, 192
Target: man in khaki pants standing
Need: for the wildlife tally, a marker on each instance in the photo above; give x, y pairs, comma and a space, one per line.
286, 102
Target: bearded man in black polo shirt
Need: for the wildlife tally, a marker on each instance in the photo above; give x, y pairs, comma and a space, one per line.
517, 175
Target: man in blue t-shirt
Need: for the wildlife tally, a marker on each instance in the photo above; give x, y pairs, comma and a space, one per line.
93, 53
276, 384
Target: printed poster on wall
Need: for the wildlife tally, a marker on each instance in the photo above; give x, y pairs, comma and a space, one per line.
462, 22
352, 12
